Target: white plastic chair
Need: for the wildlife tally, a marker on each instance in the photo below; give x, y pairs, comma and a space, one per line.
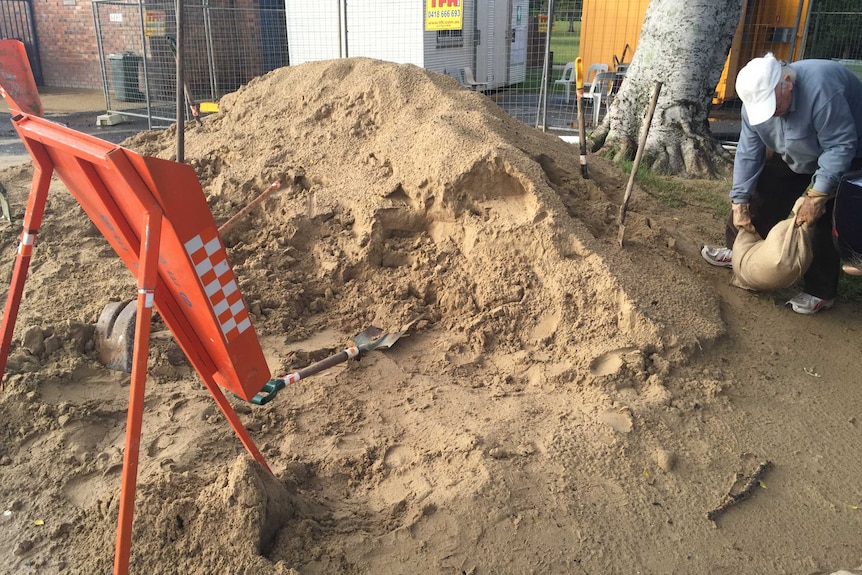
600, 92
470, 81
567, 79
592, 71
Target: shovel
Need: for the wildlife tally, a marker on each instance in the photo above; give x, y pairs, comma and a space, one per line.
369, 339
582, 129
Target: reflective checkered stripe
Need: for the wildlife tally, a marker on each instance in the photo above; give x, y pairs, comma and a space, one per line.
210, 261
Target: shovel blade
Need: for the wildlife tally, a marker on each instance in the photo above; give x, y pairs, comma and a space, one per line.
373, 337
388, 340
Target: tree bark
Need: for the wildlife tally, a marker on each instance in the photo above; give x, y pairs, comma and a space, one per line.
684, 44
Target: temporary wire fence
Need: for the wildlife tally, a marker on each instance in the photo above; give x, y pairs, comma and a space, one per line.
835, 32
520, 53
604, 34
223, 49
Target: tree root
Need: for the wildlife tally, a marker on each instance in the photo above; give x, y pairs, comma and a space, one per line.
599, 136
733, 498
675, 149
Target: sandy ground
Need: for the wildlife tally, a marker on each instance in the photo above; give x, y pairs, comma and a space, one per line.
67, 100
558, 405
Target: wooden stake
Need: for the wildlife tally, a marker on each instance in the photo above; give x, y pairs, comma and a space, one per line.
637, 162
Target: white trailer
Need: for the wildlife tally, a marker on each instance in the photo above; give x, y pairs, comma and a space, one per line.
502, 41
492, 41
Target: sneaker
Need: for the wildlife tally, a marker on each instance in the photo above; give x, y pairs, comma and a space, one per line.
721, 257
852, 270
808, 304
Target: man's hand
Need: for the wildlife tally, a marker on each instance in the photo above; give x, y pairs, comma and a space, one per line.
742, 218
813, 206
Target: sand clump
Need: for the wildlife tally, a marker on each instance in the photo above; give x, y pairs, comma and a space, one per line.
405, 199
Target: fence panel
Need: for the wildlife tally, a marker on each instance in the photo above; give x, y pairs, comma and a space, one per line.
607, 31
835, 33
531, 93
223, 48
515, 51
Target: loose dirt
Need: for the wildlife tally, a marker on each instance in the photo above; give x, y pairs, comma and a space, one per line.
558, 405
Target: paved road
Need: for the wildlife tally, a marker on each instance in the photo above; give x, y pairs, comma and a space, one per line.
12, 151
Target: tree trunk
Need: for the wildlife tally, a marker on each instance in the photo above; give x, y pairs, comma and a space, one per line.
684, 44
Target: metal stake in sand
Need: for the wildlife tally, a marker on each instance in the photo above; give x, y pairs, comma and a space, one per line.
636, 163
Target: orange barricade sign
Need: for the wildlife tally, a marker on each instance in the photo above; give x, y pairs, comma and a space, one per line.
154, 214
197, 293
197, 281
16, 77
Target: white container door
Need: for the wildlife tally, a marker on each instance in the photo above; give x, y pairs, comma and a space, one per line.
518, 41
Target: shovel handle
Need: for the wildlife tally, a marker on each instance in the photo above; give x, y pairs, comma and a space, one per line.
271, 388
323, 364
641, 145
582, 122
228, 225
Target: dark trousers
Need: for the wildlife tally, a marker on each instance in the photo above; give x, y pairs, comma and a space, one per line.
847, 221
778, 188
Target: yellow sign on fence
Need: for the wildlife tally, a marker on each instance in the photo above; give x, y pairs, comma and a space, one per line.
444, 14
154, 23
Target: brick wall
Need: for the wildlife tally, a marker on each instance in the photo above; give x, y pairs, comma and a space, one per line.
69, 55
67, 43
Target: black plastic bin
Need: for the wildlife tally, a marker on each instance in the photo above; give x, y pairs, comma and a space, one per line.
124, 74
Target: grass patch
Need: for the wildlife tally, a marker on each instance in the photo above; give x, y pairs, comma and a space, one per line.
564, 44
675, 193
532, 82
850, 288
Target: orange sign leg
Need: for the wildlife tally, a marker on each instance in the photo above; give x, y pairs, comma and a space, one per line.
32, 222
146, 296
234, 421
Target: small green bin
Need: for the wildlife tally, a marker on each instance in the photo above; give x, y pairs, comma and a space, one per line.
124, 75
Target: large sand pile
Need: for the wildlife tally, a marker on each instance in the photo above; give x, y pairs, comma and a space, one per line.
410, 197
405, 198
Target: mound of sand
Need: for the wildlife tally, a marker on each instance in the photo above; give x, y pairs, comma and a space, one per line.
408, 197
405, 199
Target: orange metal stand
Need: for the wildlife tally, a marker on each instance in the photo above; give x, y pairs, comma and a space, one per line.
153, 213
152, 222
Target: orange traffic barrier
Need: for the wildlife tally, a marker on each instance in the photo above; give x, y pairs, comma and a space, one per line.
154, 215
16, 78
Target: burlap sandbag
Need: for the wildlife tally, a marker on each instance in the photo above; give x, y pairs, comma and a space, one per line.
775, 262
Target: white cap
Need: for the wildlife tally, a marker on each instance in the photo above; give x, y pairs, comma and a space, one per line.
755, 85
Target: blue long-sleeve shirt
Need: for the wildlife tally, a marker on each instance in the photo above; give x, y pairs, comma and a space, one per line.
820, 134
